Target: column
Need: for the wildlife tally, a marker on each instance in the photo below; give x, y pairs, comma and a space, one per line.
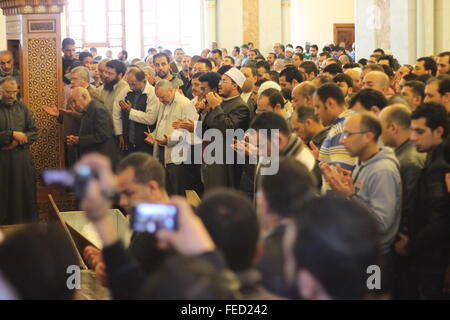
250, 10
286, 20
404, 22
38, 29
2, 31
210, 22
425, 28
442, 23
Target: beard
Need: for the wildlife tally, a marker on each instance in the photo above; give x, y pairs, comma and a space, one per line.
109, 85
163, 74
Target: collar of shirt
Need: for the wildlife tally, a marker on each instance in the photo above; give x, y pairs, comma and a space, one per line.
342, 116
228, 99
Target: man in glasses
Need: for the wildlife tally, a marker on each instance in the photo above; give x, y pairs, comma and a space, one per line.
375, 181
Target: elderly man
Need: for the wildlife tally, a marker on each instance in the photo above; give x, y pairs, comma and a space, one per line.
7, 66
135, 112
17, 182
70, 119
96, 130
173, 108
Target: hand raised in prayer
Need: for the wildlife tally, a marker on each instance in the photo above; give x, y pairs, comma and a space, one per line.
339, 180
12, 146
122, 144
20, 137
73, 140
315, 151
163, 141
125, 105
188, 125
400, 245
176, 124
53, 111
191, 238
200, 105
245, 147
150, 139
214, 100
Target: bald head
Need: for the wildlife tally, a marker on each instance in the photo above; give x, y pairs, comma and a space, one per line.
6, 62
302, 94
396, 124
80, 98
356, 76
377, 80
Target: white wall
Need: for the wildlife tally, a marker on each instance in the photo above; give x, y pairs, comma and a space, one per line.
229, 23
312, 20
2, 31
270, 24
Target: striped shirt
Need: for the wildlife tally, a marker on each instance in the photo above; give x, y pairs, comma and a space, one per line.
332, 151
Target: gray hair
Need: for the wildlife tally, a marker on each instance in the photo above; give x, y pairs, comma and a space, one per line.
152, 71
164, 84
83, 72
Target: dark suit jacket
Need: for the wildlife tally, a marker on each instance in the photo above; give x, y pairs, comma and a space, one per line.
97, 133
429, 223
231, 114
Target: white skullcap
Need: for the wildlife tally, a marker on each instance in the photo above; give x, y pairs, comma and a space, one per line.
237, 76
268, 85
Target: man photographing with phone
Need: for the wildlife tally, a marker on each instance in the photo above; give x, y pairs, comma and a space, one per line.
191, 239
140, 179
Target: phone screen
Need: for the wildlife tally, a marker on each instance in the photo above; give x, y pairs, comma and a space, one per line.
150, 217
58, 177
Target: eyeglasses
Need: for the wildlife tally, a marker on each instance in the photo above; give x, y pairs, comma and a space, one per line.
346, 135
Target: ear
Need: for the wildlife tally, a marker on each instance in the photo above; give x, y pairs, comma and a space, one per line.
375, 110
308, 123
309, 100
310, 288
350, 91
277, 107
294, 83
153, 185
393, 127
438, 132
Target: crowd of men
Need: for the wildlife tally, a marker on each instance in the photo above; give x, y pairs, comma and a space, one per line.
362, 179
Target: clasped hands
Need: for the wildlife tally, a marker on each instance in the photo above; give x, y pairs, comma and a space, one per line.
19, 139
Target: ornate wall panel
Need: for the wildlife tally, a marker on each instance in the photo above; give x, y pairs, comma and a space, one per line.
43, 90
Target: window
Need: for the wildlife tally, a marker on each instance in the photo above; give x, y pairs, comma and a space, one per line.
167, 23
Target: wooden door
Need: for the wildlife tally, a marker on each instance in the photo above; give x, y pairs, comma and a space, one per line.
344, 33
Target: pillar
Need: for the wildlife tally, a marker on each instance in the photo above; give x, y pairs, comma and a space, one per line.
425, 28
210, 22
37, 28
286, 20
251, 21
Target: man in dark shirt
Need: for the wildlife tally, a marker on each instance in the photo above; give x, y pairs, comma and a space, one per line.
428, 238
17, 176
68, 48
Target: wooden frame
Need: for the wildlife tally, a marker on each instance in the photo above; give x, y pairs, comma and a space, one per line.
106, 44
338, 26
39, 26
